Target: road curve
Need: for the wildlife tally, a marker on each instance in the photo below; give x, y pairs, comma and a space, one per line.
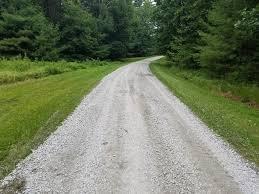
131, 135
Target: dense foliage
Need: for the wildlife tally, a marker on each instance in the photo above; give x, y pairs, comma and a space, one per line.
218, 36
25, 31
144, 41
75, 29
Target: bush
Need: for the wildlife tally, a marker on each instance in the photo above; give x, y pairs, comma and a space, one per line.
20, 70
53, 70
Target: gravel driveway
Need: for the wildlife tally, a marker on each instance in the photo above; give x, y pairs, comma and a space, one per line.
131, 135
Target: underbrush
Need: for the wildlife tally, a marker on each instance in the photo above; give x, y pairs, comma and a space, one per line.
15, 70
242, 92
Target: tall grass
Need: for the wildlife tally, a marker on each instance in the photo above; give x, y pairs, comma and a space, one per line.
14, 70
236, 91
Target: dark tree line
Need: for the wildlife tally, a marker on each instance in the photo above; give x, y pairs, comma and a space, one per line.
74, 29
218, 36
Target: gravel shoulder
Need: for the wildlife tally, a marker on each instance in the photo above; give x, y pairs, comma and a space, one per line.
131, 135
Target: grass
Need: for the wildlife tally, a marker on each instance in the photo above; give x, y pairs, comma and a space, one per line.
14, 70
234, 120
30, 110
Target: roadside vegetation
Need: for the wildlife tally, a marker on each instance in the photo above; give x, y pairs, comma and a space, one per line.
30, 110
231, 110
19, 70
52, 53
212, 64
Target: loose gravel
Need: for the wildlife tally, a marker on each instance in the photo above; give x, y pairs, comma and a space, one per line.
131, 135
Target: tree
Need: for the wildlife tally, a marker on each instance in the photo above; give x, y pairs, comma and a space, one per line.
78, 33
121, 12
138, 3
76, 29
104, 22
178, 24
4, 4
231, 40
52, 9
25, 31
142, 42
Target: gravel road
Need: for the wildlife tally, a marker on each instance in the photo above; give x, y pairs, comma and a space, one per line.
131, 135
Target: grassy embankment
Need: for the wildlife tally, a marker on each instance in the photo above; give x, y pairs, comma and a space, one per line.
231, 110
30, 110
20, 70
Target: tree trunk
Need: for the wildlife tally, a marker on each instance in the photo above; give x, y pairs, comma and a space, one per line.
52, 9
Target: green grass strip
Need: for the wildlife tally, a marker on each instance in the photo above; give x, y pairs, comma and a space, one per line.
235, 121
32, 109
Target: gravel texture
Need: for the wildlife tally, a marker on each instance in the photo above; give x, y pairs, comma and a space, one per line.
131, 135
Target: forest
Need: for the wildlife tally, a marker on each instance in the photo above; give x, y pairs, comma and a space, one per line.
217, 36
220, 37
75, 30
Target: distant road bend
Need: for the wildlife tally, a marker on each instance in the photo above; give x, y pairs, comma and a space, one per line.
131, 135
